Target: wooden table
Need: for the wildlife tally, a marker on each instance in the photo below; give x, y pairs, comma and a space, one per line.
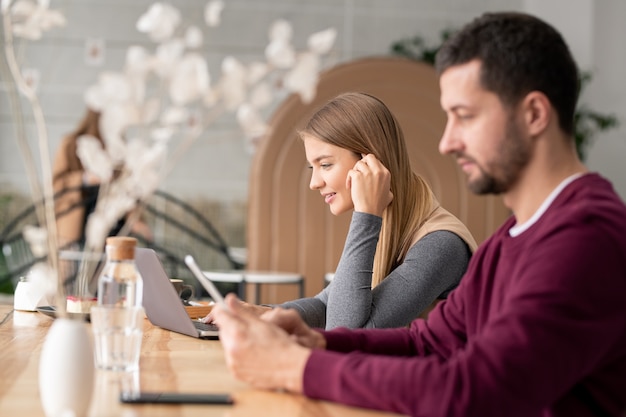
169, 362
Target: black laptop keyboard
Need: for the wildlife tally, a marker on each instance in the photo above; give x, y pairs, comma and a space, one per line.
205, 326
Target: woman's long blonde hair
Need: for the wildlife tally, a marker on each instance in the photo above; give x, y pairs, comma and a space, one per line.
363, 124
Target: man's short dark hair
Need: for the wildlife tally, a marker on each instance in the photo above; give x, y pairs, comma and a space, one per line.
519, 53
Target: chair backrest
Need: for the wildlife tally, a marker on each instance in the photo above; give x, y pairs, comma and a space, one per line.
186, 231
289, 226
18, 258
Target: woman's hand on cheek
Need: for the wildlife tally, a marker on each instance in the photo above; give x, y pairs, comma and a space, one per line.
370, 185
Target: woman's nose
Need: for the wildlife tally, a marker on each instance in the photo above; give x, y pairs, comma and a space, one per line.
316, 181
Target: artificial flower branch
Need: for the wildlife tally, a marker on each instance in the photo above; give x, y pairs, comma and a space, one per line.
44, 157
136, 127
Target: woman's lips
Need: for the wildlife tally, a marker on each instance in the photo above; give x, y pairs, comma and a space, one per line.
328, 198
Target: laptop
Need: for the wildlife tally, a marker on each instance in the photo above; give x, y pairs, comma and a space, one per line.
163, 306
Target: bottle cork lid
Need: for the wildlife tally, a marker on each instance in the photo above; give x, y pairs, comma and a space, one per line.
120, 248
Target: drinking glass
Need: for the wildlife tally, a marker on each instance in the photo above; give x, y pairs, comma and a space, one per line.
117, 335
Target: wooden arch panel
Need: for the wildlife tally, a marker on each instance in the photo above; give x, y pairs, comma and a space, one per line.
290, 228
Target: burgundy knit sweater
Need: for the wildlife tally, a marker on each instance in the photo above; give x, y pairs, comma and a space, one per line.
537, 327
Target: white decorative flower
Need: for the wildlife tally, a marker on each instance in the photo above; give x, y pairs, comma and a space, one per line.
112, 87
113, 123
159, 22
174, 116
167, 94
167, 56
31, 20
97, 228
138, 60
302, 79
193, 37
322, 42
280, 53
251, 121
37, 238
95, 160
190, 79
143, 163
162, 134
213, 12
232, 86
281, 30
43, 278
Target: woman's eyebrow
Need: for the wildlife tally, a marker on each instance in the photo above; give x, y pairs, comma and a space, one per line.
319, 158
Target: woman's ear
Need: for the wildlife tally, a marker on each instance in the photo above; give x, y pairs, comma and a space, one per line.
537, 112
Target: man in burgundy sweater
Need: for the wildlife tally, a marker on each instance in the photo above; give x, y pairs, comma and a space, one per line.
537, 326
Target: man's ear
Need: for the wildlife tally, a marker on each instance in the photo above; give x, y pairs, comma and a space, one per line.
537, 112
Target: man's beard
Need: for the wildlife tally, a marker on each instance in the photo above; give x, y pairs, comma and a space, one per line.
501, 174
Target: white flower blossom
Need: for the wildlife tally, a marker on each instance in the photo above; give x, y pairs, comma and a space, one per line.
232, 86
43, 278
281, 30
322, 42
190, 79
143, 163
138, 60
280, 53
174, 115
94, 158
37, 238
112, 87
162, 134
251, 121
31, 20
167, 56
159, 22
193, 37
113, 123
302, 79
97, 228
213, 12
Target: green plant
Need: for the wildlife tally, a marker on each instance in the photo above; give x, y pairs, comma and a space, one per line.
587, 123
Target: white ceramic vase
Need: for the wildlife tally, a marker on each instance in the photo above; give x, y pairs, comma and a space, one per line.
66, 369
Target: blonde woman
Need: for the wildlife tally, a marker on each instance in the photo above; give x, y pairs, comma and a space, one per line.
403, 251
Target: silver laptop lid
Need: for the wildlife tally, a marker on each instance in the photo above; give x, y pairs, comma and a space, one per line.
163, 306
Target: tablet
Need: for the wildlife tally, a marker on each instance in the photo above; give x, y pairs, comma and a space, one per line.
206, 283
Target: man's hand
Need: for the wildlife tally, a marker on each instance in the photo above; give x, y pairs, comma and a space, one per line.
252, 308
291, 322
258, 352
